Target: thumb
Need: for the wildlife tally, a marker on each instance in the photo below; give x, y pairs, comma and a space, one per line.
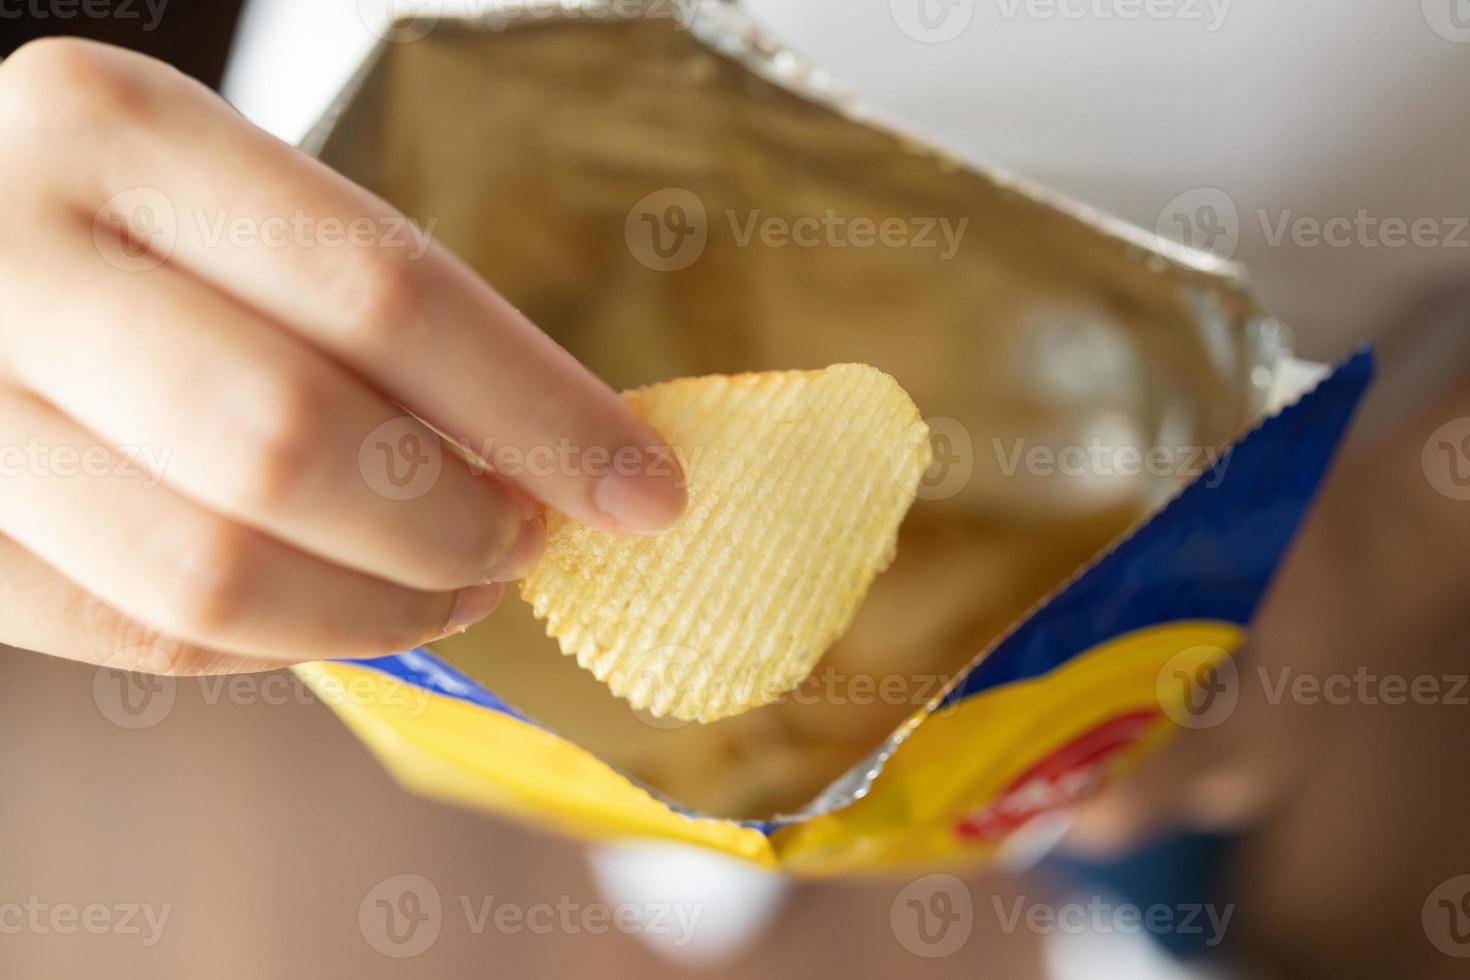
1215, 770
1199, 780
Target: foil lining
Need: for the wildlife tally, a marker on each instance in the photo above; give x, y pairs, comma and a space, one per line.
617, 176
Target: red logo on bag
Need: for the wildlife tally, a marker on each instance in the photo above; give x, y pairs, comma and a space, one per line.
1067, 776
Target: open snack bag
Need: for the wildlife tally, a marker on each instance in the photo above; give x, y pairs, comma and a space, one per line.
1109, 486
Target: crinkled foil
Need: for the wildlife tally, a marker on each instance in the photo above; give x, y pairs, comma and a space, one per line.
670, 199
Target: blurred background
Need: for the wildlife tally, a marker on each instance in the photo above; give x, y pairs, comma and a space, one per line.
237, 829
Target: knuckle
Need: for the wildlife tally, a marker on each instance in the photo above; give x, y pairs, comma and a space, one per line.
379, 298
131, 645
124, 643
197, 661
213, 582
49, 60
278, 450
66, 79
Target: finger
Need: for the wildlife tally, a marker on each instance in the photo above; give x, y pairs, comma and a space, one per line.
45, 612
403, 313
190, 573
245, 419
1169, 795
1138, 804
1205, 780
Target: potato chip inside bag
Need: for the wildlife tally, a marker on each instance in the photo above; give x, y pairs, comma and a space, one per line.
1089, 480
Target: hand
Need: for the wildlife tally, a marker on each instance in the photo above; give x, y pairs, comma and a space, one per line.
1354, 668
210, 402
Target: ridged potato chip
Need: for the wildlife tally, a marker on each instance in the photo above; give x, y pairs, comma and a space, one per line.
798, 482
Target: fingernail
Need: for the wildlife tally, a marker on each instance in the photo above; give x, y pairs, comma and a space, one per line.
526, 506
530, 542
470, 606
644, 498
529, 507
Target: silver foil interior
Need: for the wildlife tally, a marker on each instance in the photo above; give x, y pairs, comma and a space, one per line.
549, 152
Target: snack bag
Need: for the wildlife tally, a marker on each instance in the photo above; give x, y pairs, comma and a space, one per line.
1135, 645
682, 200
